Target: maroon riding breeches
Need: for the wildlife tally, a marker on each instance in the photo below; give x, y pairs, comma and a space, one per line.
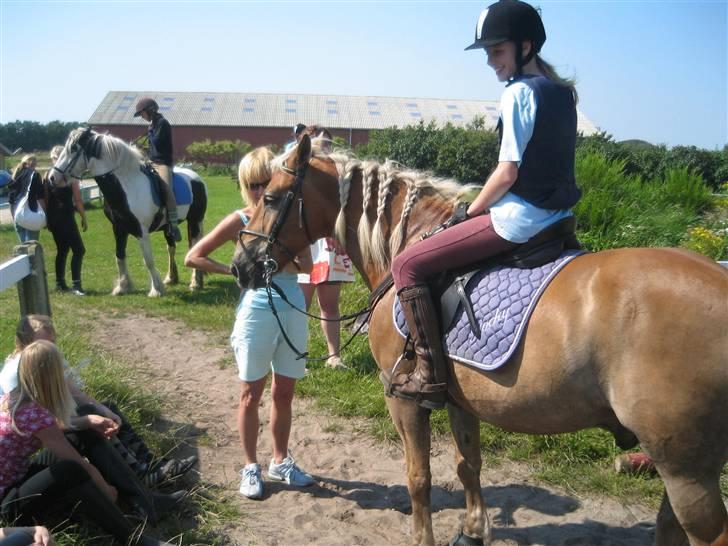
465, 243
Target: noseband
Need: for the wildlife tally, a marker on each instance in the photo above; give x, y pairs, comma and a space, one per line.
270, 266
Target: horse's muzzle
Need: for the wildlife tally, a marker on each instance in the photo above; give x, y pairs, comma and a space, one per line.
56, 178
248, 273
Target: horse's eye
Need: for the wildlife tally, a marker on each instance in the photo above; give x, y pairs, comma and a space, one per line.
270, 198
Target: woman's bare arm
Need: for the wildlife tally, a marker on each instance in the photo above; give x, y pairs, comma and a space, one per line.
199, 255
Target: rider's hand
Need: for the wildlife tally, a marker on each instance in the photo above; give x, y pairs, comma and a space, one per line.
84, 223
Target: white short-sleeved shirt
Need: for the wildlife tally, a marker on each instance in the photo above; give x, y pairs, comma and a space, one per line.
514, 218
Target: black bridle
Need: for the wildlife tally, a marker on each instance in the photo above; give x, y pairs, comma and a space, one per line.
84, 148
270, 266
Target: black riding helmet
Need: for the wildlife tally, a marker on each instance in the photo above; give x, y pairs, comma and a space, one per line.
146, 103
510, 20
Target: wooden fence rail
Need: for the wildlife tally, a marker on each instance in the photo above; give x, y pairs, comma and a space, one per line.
27, 271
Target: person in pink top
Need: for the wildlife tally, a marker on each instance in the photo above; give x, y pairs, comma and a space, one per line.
29, 418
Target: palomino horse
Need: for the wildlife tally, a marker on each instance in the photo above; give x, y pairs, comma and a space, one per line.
633, 340
129, 203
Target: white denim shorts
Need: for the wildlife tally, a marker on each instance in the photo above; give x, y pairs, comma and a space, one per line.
259, 345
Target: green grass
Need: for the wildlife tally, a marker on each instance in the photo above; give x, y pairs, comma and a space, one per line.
580, 462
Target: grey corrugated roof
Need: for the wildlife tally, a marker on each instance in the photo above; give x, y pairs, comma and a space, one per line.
285, 110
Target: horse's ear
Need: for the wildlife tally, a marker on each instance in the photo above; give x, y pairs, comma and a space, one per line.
303, 150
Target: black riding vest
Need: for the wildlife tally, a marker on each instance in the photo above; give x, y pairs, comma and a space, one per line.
160, 141
546, 175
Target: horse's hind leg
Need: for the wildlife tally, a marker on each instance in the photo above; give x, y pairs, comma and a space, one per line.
692, 506
466, 432
157, 288
413, 425
172, 273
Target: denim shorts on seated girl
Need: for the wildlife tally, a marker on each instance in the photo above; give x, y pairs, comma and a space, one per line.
257, 340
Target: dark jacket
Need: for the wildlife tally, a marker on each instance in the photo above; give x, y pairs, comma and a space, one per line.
546, 174
160, 141
59, 205
19, 186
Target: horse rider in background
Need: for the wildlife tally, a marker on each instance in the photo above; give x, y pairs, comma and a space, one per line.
160, 154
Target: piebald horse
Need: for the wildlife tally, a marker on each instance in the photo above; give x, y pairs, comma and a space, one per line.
128, 201
634, 341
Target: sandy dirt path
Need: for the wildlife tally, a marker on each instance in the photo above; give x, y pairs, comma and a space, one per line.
361, 497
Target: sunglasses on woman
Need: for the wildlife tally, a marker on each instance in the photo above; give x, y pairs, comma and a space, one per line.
253, 187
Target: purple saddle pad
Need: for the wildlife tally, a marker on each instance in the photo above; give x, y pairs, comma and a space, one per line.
503, 299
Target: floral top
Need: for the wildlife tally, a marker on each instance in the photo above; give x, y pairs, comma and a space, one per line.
15, 450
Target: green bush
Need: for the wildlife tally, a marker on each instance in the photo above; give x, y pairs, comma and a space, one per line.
218, 152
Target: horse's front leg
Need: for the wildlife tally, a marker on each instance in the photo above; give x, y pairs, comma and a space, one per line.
156, 287
466, 432
172, 273
123, 281
194, 234
413, 425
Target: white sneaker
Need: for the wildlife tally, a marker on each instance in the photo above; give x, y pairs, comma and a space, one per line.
251, 484
288, 472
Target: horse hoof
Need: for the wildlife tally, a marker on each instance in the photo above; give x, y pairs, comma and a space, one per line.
169, 282
155, 293
461, 539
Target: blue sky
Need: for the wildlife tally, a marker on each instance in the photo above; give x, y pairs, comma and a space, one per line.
653, 70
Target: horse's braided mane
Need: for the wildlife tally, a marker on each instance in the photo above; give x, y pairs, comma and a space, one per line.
373, 243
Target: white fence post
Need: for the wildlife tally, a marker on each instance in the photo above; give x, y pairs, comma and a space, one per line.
33, 287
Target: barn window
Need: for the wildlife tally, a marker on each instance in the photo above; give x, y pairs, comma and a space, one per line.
332, 112
168, 99
290, 101
374, 113
290, 110
372, 103
206, 109
456, 116
249, 100
209, 99
123, 108
411, 105
129, 97
165, 107
248, 109
415, 114
452, 106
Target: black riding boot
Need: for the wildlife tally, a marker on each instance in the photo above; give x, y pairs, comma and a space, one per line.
427, 383
77, 289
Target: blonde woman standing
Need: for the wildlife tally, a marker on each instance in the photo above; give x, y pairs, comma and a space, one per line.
26, 180
257, 340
